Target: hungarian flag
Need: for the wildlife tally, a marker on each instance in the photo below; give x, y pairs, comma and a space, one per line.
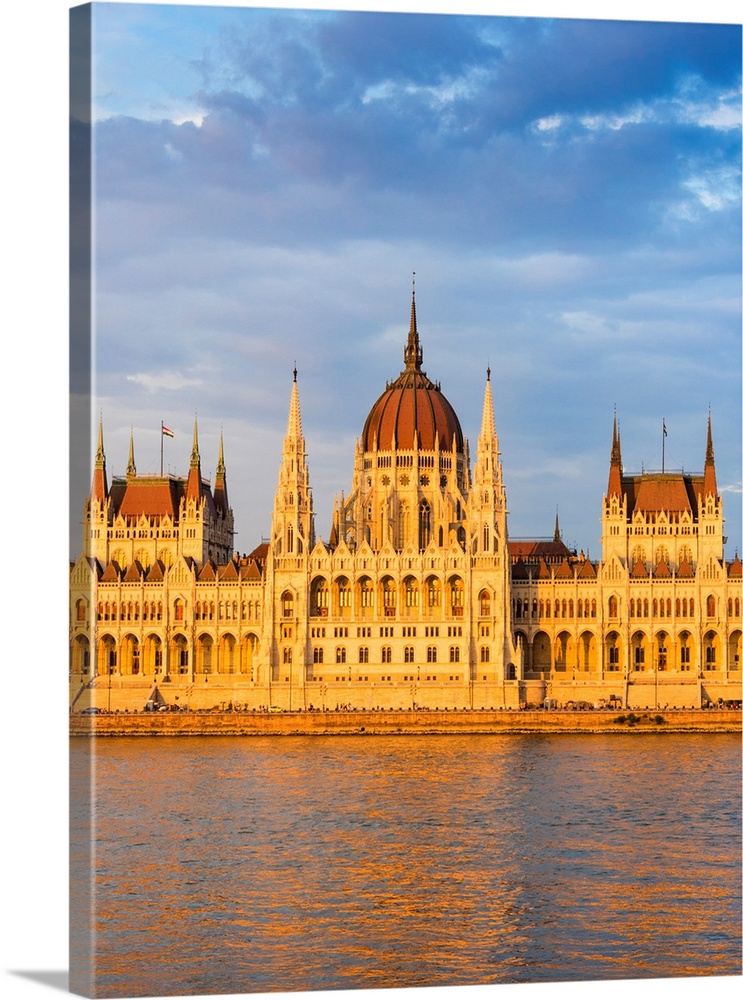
167, 431
665, 432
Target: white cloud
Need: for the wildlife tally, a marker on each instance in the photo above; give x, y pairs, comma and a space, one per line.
163, 380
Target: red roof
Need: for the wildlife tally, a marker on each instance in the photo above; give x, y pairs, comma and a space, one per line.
653, 492
154, 496
412, 403
531, 550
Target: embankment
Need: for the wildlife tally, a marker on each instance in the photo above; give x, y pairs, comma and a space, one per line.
405, 722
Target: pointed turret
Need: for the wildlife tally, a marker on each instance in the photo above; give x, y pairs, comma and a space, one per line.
293, 520
615, 468
220, 483
710, 477
99, 487
294, 423
131, 468
487, 501
193, 486
487, 430
557, 537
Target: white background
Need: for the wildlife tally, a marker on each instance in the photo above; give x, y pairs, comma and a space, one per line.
34, 566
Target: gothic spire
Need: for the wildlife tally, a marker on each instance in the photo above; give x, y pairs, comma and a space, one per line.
193, 486
292, 528
710, 477
615, 467
99, 488
413, 354
557, 536
220, 483
131, 468
487, 430
294, 424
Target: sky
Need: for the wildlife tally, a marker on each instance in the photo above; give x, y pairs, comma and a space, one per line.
566, 191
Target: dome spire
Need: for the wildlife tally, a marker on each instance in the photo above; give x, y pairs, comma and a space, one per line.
413, 354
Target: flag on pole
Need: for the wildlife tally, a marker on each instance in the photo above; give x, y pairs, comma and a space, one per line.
167, 431
665, 432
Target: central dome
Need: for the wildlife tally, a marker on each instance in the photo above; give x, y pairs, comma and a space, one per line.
412, 412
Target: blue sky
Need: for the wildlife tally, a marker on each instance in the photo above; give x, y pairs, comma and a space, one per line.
567, 192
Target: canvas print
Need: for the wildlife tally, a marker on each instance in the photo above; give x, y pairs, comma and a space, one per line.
405, 543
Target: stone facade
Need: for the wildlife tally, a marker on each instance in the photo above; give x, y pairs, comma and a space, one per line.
418, 599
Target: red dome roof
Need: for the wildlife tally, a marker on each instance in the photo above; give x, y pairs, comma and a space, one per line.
412, 403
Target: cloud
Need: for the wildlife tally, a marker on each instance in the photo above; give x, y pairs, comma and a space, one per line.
172, 381
567, 192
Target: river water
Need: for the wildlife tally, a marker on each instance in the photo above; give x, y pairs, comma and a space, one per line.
258, 864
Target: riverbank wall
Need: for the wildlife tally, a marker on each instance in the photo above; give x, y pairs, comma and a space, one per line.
344, 723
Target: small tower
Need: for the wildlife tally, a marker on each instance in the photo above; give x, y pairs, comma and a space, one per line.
488, 533
487, 501
614, 519
709, 505
292, 524
98, 512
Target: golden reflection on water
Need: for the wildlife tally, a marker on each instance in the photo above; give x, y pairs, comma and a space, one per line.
283, 863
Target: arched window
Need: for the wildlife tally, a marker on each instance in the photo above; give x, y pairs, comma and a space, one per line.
485, 654
454, 654
367, 593
318, 654
409, 654
389, 595
424, 525
431, 654
320, 597
287, 604
364, 654
404, 527
340, 654
287, 655
344, 593
457, 596
484, 603
613, 607
710, 606
178, 610
386, 654
662, 651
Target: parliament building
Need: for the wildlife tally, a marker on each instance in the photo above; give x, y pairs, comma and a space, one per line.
417, 599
